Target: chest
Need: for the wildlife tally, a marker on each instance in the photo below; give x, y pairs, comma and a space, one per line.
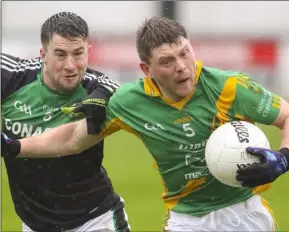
165, 129
26, 113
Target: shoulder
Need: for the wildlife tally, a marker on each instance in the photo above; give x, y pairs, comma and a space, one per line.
17, 65
126, 90
92, 74
93, 79
218, 79
17, 73
127, 93
217, 76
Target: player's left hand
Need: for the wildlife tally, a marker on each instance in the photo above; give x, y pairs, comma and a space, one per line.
272, 165
9, 147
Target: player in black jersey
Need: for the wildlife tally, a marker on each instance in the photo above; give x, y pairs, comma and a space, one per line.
65, 193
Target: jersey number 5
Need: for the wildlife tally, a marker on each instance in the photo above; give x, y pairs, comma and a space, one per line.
190, 131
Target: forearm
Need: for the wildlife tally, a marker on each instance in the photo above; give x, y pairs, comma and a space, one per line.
285, 141
285, 134
59, 141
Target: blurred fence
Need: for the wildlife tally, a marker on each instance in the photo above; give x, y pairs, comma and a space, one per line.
249, 36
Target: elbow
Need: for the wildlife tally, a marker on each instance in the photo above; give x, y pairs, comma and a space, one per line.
285, 124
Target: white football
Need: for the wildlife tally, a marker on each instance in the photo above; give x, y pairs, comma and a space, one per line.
225, 150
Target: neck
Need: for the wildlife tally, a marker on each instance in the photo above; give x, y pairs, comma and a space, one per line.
168, 95
46, 79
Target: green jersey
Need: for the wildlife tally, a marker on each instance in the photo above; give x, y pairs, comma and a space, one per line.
51, 194
175, 133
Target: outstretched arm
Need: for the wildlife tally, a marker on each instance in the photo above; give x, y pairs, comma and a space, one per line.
68, 139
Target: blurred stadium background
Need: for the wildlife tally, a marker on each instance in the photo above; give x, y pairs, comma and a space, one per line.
249, 36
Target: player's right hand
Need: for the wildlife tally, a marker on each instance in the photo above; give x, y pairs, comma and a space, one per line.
92, 106
9, 147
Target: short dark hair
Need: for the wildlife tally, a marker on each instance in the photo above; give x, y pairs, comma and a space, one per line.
66, 24
156, 31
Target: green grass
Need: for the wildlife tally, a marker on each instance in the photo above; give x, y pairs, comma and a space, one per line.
131, 169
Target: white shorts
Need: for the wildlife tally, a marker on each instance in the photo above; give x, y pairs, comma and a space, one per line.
104, 223
253, 214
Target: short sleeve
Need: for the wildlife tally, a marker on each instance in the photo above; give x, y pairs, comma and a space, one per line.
16, 72
254, 102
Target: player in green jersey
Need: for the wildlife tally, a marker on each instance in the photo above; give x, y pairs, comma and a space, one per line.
63, 193
173, 110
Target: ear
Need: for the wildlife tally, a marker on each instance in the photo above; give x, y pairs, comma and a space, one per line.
42, 53
145, 68
89, 48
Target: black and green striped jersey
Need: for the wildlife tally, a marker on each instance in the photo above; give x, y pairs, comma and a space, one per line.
51, 194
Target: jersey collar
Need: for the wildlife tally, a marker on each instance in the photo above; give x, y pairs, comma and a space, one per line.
152, 90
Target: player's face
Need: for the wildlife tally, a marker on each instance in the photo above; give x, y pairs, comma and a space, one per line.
65, 62
173, 68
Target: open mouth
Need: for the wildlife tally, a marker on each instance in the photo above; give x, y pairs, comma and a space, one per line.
70, 76
183, 81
